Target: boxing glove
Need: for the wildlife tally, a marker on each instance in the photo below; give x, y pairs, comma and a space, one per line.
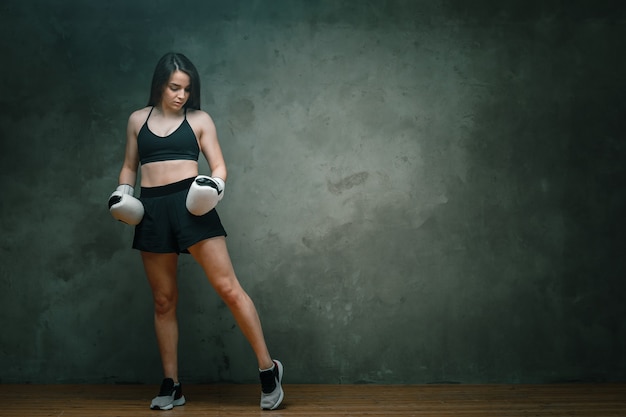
204, 194
124, 207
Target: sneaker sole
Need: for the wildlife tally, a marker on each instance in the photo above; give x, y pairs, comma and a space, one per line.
280, 400
178, 402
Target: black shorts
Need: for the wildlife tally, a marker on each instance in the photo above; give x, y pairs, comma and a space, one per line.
167, 226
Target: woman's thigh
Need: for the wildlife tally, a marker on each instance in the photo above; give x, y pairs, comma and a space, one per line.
161, 273
212, 255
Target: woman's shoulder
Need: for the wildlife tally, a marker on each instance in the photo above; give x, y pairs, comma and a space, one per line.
141, 113
198, 114
138, 118
200, 118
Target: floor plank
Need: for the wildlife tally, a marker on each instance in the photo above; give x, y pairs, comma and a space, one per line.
586, 400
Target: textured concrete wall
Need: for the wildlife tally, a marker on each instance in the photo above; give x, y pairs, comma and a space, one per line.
419, 191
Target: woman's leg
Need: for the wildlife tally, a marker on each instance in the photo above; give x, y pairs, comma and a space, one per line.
213, 257
161, 272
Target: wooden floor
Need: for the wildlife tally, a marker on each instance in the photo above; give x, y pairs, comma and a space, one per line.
320, 400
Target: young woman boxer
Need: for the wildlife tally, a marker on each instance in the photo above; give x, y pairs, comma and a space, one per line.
165, 140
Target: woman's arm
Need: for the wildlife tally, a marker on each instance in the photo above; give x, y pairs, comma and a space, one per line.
128, 173
210, 146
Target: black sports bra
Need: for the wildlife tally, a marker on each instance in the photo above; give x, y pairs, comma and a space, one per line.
180, 144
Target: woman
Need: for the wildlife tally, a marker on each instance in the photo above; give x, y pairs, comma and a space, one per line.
165, 139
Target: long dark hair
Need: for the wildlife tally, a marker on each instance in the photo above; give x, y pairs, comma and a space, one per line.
166, 66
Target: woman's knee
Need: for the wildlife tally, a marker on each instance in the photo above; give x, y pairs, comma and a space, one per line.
232, 294
165, 304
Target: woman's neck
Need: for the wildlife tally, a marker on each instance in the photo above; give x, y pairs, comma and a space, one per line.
168, 113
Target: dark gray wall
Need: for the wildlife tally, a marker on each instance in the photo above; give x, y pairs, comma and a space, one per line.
419, 191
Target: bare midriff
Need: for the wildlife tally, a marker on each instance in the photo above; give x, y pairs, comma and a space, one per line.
159, 173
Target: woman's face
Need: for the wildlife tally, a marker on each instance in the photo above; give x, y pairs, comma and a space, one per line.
176, 91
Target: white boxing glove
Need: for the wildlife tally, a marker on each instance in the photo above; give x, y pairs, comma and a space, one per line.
204, 194
124, 206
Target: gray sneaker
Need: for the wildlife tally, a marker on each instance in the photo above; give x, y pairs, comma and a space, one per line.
271, 390
170, 395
